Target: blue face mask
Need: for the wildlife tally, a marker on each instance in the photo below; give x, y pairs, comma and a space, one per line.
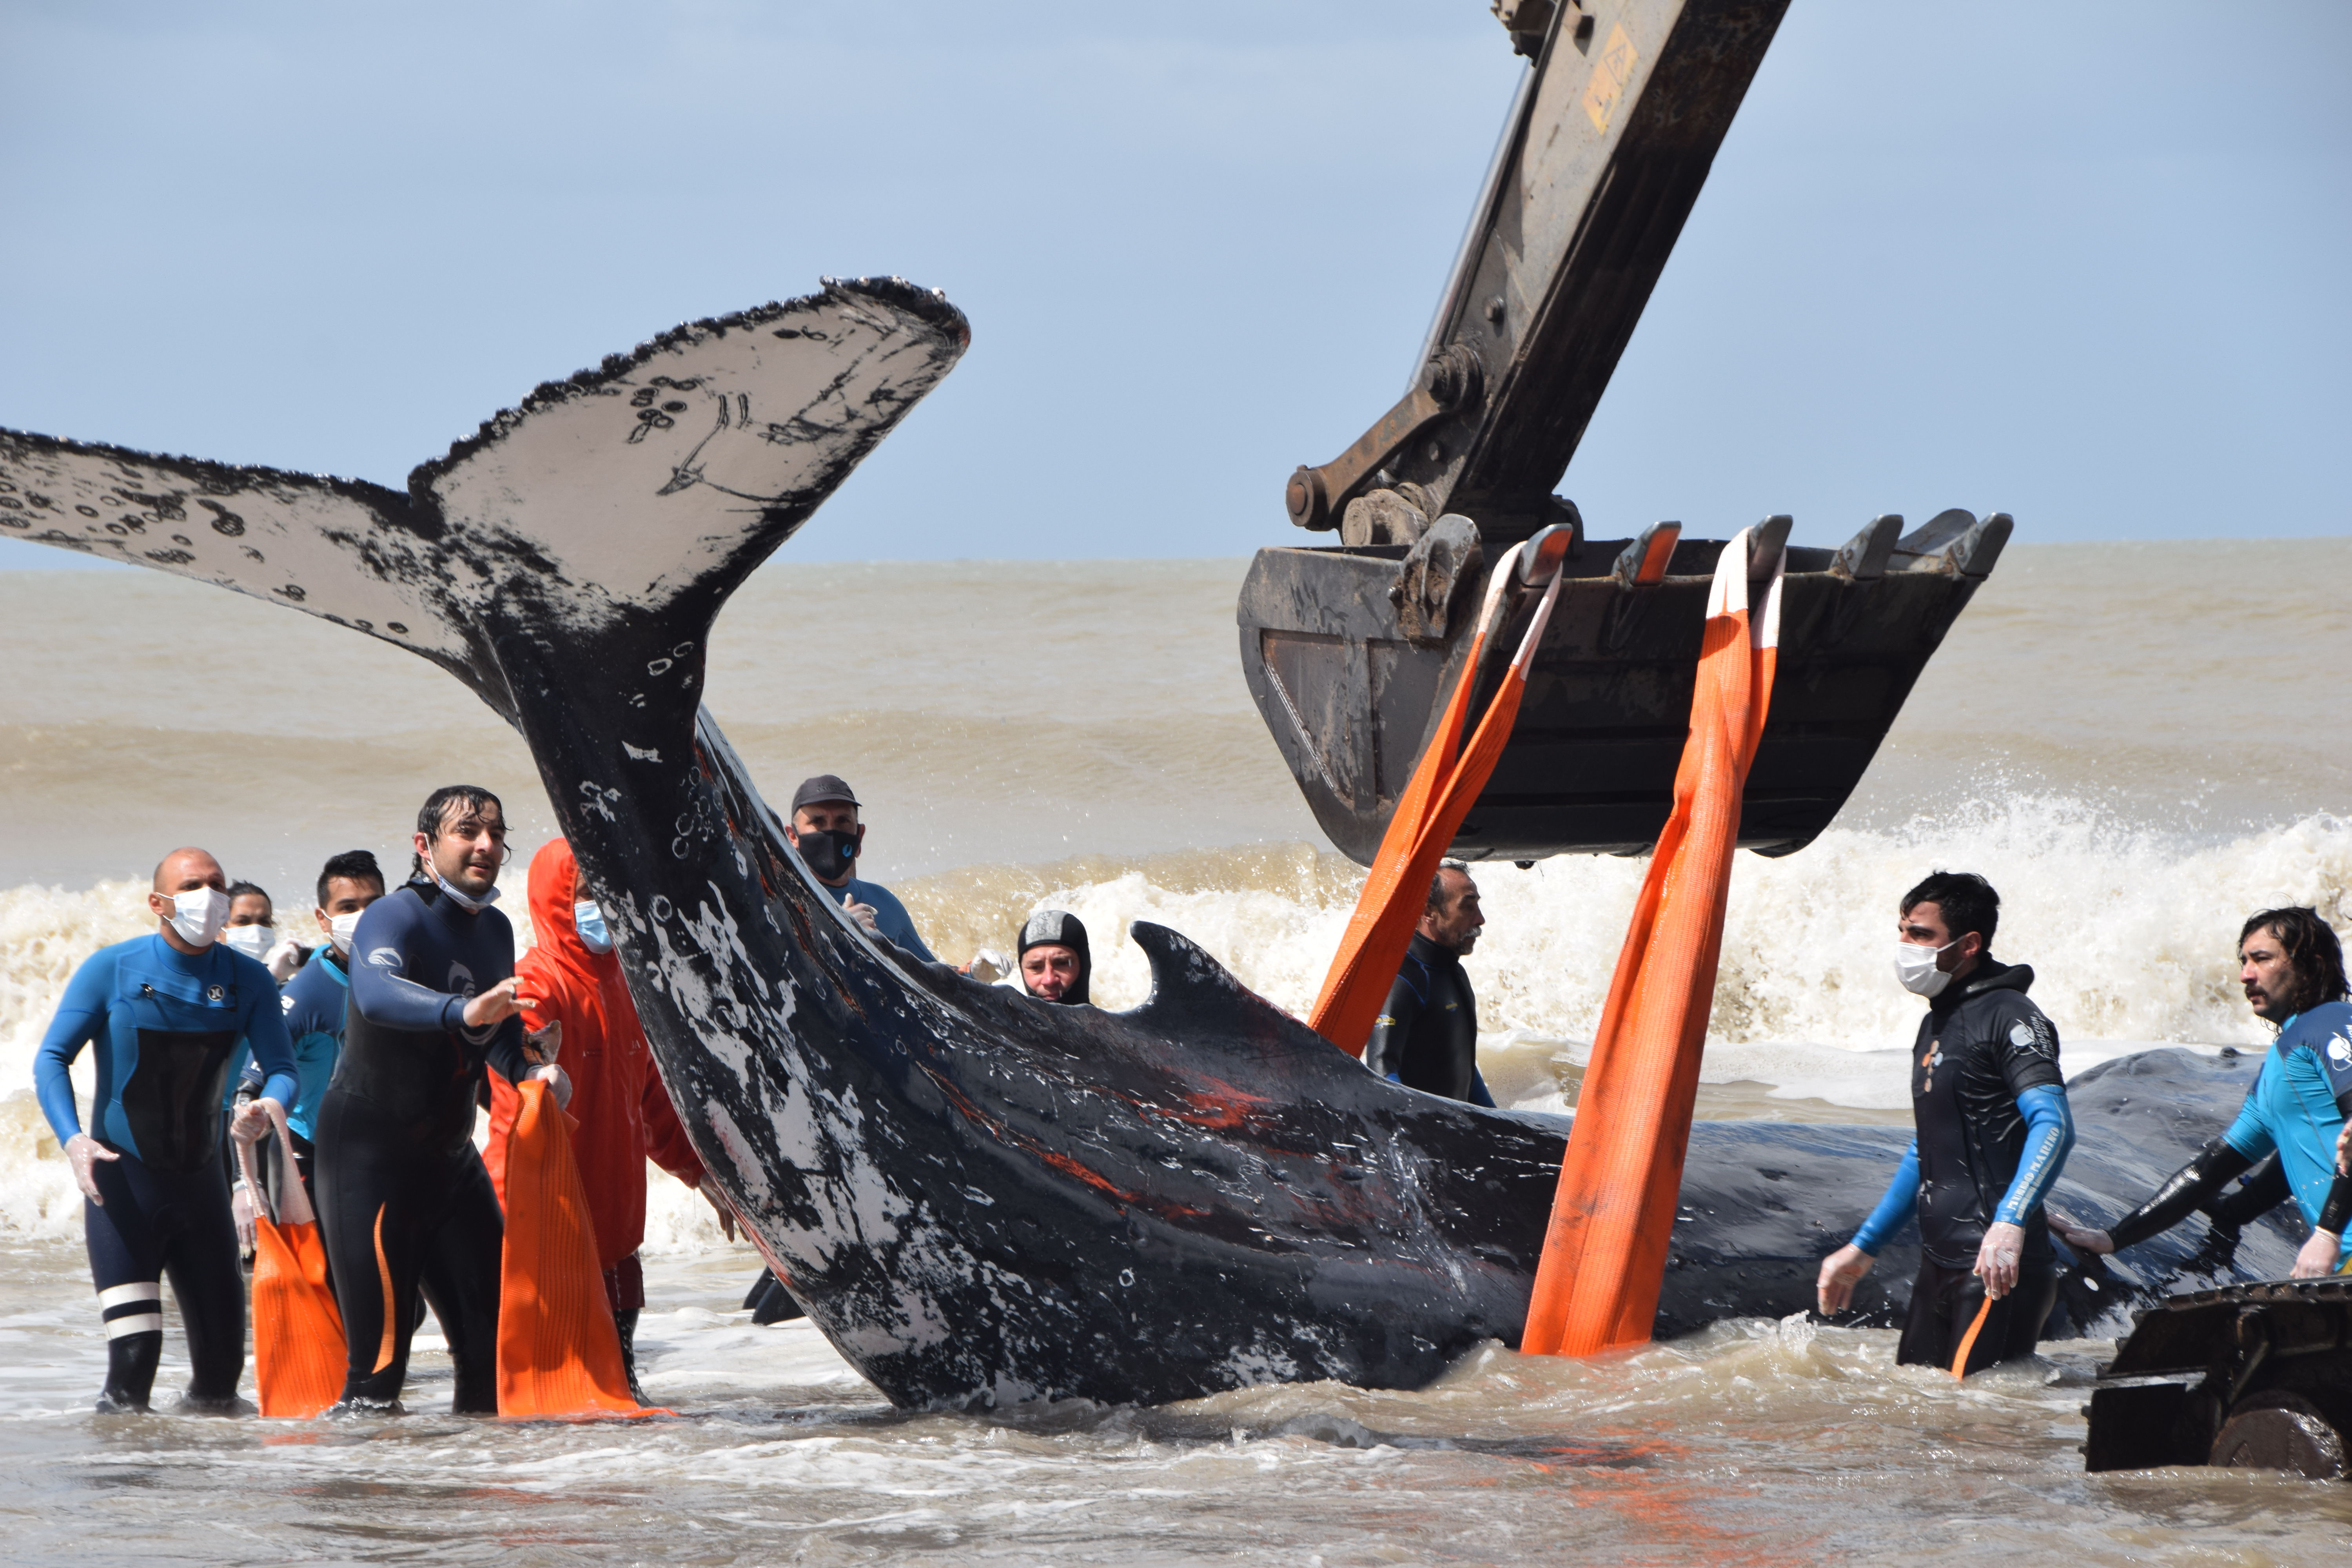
589, 921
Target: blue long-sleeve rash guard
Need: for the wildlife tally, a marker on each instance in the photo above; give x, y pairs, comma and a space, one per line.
2295, 1105
155, 1014
2049, 1137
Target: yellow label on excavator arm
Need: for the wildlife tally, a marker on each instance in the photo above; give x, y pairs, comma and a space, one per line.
1611, 72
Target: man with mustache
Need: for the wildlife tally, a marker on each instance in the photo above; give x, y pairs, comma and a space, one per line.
2291, 967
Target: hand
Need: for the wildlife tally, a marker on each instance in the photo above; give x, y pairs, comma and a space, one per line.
240, 1209
863, 915
252, 1122
494, 1006
2343, 1149
2318, 1256
726, 1216
283, 960
1997, 1260
1840, 1271
82, 1152
558, 1081
2080, 1238
543, 1045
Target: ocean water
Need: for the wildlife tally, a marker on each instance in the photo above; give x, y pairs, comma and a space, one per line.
2138, 745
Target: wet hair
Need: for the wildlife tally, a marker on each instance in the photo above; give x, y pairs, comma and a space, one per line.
1966, 900
251, 889
351, 865
435, 811
1436, 904
2312, 952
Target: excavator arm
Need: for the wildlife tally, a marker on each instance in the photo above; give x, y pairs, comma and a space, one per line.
1349, 647
1608, 143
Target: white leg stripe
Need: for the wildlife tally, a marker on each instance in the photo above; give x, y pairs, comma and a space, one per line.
115, 1296
137, 1324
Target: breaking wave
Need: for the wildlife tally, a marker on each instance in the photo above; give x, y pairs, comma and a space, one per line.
2131, 934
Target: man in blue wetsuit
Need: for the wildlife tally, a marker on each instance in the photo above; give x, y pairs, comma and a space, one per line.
164, 1011
1993, 1130
314, 1001
2291, 967
826, 830
403, 1199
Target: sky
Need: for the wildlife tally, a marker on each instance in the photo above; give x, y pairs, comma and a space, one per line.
2081, 263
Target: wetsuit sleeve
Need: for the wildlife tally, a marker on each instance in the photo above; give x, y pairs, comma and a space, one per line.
2337, 1210
1899, 1204
1384, 1052
2187, 1190
81, 1013
381, 988
2263, 1190
272, 1047
1479, 1093
2049, 1137
2029, 1052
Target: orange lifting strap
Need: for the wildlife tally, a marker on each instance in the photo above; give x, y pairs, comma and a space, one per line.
1604, 1257
297, 1331
1427, 815
559, 1354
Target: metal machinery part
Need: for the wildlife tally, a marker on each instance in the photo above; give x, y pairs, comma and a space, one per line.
2255, 1376
1350, 649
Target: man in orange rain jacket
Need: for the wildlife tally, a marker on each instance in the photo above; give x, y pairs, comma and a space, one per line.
623, 1116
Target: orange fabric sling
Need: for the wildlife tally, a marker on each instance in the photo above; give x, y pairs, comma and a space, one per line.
559, 1352
1428, 815
299, 1353
1604, 1255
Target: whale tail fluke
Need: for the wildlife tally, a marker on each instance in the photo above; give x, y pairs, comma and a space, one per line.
619, 506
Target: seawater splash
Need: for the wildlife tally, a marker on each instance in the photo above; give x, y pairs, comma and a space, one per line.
2131, 934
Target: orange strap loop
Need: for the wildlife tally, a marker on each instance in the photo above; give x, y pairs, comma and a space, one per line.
558, 1352
1427, 816
297, 1331
1604, 1255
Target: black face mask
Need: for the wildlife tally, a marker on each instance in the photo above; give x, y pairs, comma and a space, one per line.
829, 855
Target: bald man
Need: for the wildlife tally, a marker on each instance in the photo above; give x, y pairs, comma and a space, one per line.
166, 1011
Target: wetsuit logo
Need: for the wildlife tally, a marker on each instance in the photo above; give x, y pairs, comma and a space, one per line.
461, 980
2339, 1054
386, 958
1933, 1060
2027, 1034
212, 992
286, 1003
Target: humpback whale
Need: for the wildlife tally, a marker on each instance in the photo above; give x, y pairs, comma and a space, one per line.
979, 1198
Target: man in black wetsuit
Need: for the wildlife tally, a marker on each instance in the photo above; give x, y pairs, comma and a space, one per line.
1994, 1131
403, 1200
1427, 1034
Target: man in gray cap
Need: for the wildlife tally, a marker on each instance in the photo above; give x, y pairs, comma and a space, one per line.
1055, 963
826, 830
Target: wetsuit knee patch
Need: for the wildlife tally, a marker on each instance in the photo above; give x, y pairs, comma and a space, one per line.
135, 1309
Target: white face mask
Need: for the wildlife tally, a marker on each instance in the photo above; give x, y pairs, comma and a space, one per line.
251, 941
1914, 966
589, 921
198, 915
340, 929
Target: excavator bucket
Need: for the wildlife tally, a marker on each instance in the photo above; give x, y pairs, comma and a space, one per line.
1347, 647
1349, 652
